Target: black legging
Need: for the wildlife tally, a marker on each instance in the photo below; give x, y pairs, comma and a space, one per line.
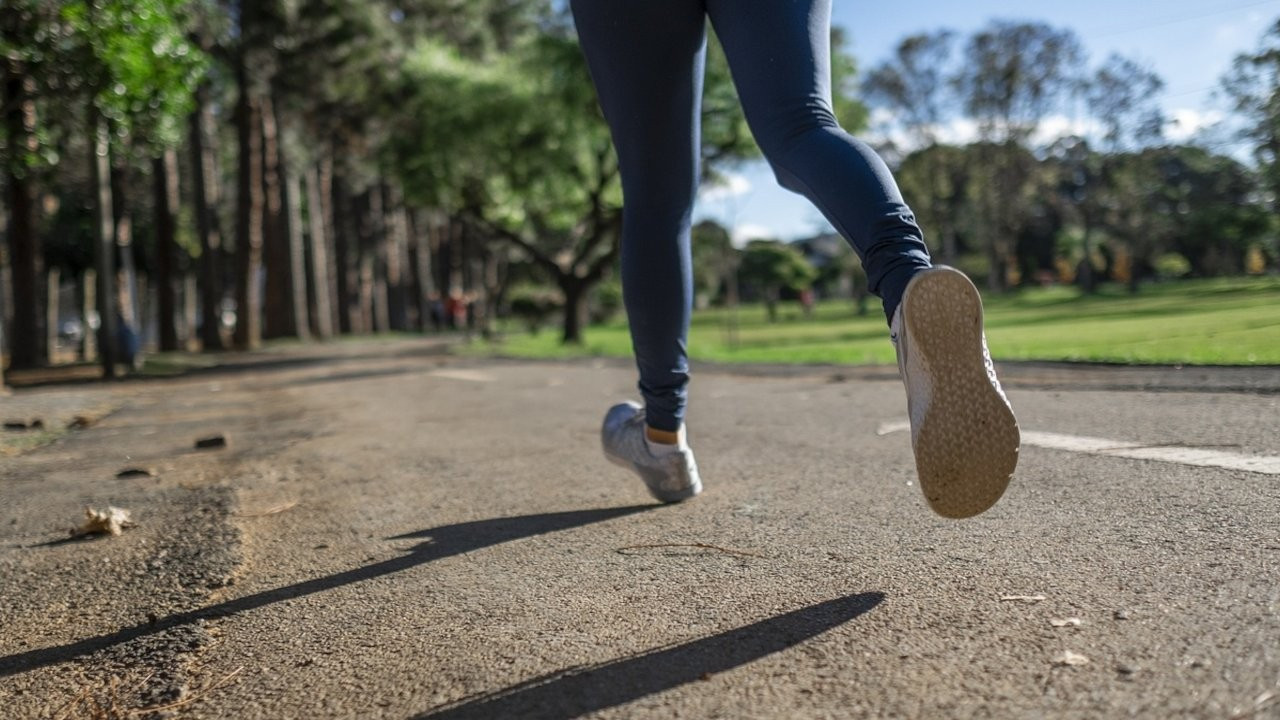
646, 59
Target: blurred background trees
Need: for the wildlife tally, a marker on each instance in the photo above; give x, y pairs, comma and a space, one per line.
187, 174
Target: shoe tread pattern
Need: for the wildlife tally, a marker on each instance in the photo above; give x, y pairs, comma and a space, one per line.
966, 447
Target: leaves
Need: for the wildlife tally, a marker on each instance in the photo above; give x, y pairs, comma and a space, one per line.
140, 67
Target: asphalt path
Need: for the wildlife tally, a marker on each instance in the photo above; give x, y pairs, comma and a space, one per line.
396, 532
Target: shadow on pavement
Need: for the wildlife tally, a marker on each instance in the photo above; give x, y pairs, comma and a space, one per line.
579, 691
445, 541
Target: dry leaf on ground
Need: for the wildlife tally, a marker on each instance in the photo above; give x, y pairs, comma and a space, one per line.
111, 521
1022, 598
1066, 657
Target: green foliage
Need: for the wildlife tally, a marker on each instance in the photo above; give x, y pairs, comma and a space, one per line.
1171, 266
606, 301
533, 305
714, 258
725, 135
1253, 86
141, 69
772, 266
1014, 73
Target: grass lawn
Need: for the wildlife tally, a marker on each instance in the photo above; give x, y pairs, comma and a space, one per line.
1222, 321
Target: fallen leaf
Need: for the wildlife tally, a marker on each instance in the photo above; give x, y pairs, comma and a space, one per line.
1067, 622
1022, 598
1066, 657
111, 521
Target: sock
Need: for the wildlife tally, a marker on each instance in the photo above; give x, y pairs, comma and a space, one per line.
658, 449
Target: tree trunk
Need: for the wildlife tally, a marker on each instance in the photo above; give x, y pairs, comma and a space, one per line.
343, 266
424, 285
189, 311
279, 313
575, 309
25, 336
248, 334
205, 196
164, 171
396, 233
378, 251
105, 244
88, 298
130, 304
321, 292
53, 287
291, 189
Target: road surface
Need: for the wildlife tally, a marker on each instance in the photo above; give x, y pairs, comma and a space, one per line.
395, 532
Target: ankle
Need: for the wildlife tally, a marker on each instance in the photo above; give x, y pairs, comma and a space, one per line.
661, 437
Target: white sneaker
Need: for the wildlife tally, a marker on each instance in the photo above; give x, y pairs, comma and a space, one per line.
963, 431
670, 477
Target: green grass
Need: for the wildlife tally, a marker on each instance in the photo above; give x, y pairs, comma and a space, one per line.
17, 442
1210, 322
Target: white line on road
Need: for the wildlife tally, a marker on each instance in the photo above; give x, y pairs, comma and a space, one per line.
467, 375
1200, 457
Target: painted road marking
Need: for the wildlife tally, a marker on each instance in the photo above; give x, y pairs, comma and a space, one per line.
467, 375
1200, 457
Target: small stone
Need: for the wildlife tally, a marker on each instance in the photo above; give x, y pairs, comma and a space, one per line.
1120, 614
1125, 669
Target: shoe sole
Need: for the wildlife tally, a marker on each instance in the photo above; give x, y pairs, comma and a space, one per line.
967, 446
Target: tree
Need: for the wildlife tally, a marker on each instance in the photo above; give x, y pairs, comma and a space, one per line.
771, 267
914, 86
714, 260
253, 63
1122, 96
1013, 75
26, 335
1253, 87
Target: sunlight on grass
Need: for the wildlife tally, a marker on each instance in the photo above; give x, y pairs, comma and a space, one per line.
1221, 322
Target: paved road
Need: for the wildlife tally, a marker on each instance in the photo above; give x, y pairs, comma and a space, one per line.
395, 532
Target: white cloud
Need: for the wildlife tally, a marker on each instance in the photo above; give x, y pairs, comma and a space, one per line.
958, 131
1186, 122
741, 234
730, 185
1240, 35
1056, 127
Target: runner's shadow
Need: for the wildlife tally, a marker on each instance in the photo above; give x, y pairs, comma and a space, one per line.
442, 542
583, 690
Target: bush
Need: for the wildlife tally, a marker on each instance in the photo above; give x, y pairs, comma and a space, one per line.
606, 302
533, 305
1172, 266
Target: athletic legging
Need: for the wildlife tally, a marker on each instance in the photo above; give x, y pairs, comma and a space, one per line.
646, 58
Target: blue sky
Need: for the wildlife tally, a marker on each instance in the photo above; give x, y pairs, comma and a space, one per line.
1189, 43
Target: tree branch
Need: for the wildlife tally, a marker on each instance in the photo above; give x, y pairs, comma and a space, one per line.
539, 258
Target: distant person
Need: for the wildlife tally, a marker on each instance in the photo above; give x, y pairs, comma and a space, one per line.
806, 302
646, 58
455, 308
